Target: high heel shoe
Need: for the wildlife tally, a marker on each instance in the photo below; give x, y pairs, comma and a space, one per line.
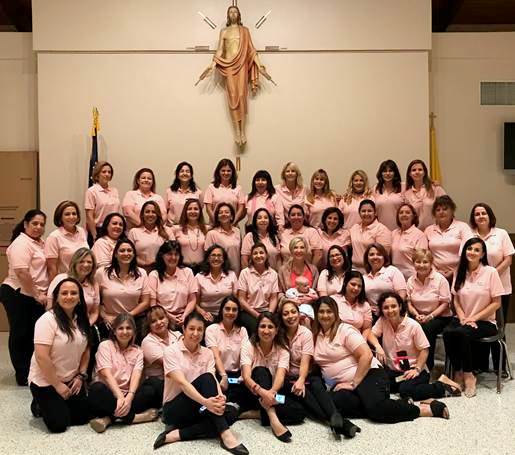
240, 449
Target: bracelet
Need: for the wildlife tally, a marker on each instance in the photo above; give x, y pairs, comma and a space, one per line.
223, 375
134, 393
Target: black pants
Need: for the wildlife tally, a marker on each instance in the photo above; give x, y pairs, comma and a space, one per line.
184, 413
157, 386
22, 313
371, 398
432, 328
58, 413
417, 388
249, 322
459, 342
102, 401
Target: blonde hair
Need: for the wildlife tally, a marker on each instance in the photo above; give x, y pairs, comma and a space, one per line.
296, 169
326, 190
98, 168
421, 253
78, 256
349, 193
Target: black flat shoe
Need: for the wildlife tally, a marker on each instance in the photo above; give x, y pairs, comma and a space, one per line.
34, 408
240, 449
439, 409
285, 437
161, 440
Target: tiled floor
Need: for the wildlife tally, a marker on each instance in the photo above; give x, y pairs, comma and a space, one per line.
481, 425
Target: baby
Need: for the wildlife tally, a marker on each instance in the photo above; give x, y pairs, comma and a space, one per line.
302, 295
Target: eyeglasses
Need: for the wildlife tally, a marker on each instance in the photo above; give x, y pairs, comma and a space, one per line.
216, 256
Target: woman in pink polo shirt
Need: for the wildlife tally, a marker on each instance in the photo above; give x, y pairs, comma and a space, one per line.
388, 193
191, 234
65, 240
113, 228
149, 235
331, 232
23, 292
143, 190
477, 291
182, 188
380, 276
368, 231
331, 279
359, 386
172, 286
291, 191
308, 388
215, 281
446, 236
421, 192
406, 239
194, 404
116, 394
101, 199
262, 230
319, 198
263, 195
357, 191
264, 362
258, 288
225, 188
429, 298
57, 374
297, 265
403, 351
297, 226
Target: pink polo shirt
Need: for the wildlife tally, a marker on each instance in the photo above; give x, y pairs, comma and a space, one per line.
120, 296
387, 205
254, 357
274, 257
289, 198
102, 201
335, 358
147, 242
174, 292
231, 243
91, 292
61, 245
65, 354
351, 211
103, 250
231, 196
341, 238
362, 237
315, 209
272, 204
408, 337
229, 344
499, 246
213, 292
309, 234
387, 279
177, 357
175, 201
301, 344
135, 199
259, 288
329, 286
427, 296
121, 363
26, 253
192, 244
479, 289
446, 245
404, 243
356, 315
153, 348
423, 204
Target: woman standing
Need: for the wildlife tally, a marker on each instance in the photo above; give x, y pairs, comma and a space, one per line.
263, 196
331, 279
297, 265
23, 292
113, 228
331, 232
357, 191
319, 198
291, 191
388, 193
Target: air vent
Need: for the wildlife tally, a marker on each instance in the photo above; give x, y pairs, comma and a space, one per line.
497, 93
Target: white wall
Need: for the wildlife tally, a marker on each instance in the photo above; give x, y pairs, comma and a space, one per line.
470, 136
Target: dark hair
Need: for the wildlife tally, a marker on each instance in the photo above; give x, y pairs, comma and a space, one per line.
114, 267
194, 316
426, 181
316, 324
329, 211
159, 218
262, 174
461, 271
396, 182
287, 224
492, 220
443, 201
183, 221
238, 21
280, 339
346, 263
118, 321
225, 301
148, 317
58, 213
349, 275
367, 202
272, 227
135, 184
205, 267
28, 217
80, 311
280, 313
403, 307
415, 220
216, 175
176, 182
382, 251
107, 220
170, 246
255, 246
216, 222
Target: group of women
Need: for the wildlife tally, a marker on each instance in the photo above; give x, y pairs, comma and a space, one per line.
322, 307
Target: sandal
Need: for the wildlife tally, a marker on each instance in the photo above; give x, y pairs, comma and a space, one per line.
451, 388
438, 408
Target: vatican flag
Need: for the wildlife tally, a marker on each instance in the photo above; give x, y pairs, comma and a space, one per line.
434, 162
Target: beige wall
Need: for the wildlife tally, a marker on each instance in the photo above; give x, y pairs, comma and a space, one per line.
470, 136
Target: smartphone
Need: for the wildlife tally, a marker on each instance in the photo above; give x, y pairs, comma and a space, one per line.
233, 380
280, 398
202, 409
404, 363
